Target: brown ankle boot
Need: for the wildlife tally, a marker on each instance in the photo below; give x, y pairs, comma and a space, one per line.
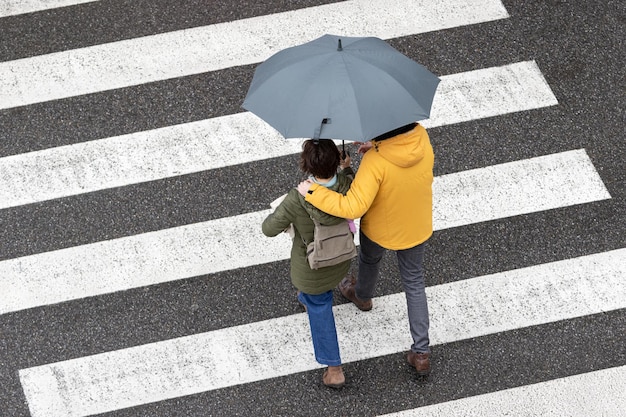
420, 361
346, 287
334, 377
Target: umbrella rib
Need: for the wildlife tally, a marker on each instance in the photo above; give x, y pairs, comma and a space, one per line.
315, 71
352, 90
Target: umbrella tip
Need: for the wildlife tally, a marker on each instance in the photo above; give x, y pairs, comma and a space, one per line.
339, 48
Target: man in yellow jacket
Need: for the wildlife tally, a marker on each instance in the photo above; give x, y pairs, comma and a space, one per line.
392, 194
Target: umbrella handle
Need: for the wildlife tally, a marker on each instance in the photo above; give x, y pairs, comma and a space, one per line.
344, 153
318, 131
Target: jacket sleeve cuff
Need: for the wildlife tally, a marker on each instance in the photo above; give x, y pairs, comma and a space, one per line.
311, 190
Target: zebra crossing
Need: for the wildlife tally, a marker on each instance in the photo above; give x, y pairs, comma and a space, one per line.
238, 42
218, 359
236, 139
488, 193
188, 310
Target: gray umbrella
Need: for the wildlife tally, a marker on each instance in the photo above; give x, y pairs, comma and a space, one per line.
339, 87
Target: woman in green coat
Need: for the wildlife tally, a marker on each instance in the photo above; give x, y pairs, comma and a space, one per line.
320, 159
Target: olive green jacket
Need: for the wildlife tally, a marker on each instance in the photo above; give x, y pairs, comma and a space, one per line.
294, 210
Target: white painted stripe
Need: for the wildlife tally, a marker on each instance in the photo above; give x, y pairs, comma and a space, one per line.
490, 92
515, 188
209, 48
238, 355
598, 393
237, 139
15, 7
525, 186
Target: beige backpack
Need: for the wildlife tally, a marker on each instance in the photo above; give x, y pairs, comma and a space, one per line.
331, 245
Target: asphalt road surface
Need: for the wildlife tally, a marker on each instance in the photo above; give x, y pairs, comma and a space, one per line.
134, 278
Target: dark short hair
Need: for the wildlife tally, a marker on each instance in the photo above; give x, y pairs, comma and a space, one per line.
319, 158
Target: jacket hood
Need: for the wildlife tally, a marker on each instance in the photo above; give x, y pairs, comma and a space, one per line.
405, 149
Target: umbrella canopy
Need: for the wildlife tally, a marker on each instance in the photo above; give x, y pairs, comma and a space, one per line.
339, 87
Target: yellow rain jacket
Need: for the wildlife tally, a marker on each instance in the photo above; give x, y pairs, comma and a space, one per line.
391, 192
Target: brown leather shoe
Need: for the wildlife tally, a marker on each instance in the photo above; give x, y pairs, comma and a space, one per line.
420, 361
346, 286
333, 377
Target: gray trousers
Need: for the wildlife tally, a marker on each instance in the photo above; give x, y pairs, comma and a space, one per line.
410, 264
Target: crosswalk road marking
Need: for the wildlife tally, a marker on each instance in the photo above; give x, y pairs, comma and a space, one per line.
229, 356
578, 395
238, 355
247, 41
237, 139
15, 7
462, 198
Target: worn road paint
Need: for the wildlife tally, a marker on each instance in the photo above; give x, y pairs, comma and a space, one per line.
466, 197
15, 7
237, 139
237, 355
598, 393
209, 48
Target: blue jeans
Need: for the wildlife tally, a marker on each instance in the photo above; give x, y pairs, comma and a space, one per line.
410, 264
323, 331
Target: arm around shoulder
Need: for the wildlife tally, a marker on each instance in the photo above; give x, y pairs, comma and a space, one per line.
354, 204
